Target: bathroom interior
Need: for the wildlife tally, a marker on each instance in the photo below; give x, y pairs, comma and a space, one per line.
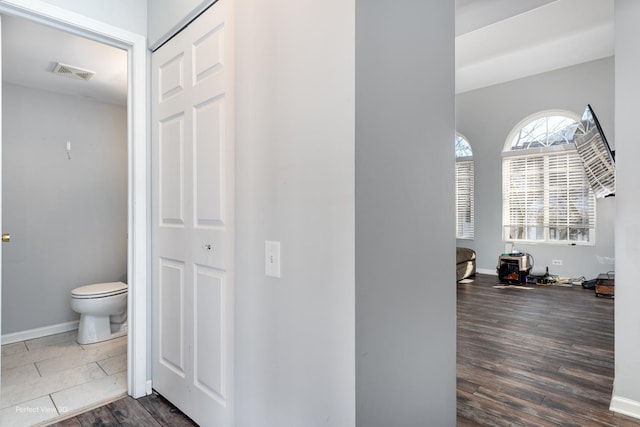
64, 204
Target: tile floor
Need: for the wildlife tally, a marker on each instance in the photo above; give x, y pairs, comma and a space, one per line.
53, 377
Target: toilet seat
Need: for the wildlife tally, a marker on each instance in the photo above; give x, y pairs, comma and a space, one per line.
99, 290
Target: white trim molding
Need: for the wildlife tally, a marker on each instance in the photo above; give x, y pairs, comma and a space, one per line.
31, 334
138, 155
625, 406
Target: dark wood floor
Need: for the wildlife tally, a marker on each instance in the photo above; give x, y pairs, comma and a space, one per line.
152, 410
534, 357
526, 357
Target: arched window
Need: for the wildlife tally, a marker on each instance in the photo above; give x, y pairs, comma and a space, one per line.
546, 197
464, 189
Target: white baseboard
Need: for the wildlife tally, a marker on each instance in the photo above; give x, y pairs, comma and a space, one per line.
39, 332
487, 271
625, 406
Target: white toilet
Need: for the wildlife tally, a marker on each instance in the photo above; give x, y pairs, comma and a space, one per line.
103, 311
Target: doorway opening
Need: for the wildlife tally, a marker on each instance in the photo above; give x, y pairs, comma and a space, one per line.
64, 199
137, 199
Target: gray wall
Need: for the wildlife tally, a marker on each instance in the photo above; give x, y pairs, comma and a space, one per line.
626, 392
405, 275
67, 218
295, 184
487, 116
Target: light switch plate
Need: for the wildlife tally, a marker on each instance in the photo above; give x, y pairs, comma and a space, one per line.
272, 258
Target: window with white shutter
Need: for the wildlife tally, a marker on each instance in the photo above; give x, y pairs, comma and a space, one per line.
464, 189
545, 193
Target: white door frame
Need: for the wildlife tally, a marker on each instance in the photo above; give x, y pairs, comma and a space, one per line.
138, 155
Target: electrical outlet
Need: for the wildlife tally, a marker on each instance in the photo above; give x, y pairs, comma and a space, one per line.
556, 262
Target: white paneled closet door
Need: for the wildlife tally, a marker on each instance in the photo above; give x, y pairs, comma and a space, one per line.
193, 217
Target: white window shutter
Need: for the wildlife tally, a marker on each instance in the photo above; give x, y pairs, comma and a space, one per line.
546, 198
464, 199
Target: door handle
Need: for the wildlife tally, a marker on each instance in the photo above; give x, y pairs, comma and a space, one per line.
6, 237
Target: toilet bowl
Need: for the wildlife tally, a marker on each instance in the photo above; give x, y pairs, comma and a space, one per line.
103, 311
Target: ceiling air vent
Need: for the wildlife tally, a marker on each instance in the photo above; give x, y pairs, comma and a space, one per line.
71, 71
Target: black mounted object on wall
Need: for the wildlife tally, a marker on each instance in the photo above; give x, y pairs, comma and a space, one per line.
596, 155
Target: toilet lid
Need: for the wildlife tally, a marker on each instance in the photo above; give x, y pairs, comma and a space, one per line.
100, 290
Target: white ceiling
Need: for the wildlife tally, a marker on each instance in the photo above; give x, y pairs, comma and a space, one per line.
503, 40
30, 51
496, 41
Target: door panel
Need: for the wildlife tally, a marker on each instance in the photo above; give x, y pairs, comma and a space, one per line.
171, 316
193, 234
210, 343
209, 164
171, 78
171, 176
